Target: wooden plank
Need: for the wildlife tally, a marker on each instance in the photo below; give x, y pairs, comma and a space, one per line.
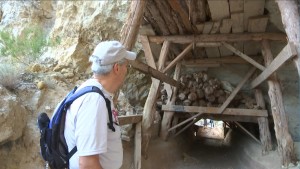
221, 117
237, 22
247, 58
255, 25
182, 39
213, 110
225, 28
200, 28
236, 90
138, 146
179, 57
208, 44
252, 8
142, 67
236, 6
146, 30
286, 53
216, 27
130, 119
207, 27
218, 9
226, 25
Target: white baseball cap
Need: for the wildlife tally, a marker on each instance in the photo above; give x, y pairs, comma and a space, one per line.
109, 52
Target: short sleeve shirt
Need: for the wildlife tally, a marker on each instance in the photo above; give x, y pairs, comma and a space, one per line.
86, 127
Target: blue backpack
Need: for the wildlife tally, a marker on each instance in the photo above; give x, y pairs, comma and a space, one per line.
53, 146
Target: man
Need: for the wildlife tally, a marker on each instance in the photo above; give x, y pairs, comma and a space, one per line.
98, 147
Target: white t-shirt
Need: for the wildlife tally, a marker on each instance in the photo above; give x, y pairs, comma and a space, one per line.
86, 127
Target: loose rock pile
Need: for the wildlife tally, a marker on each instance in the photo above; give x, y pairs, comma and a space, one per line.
198, 89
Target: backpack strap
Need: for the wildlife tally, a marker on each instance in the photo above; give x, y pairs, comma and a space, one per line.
81, 92
88, 89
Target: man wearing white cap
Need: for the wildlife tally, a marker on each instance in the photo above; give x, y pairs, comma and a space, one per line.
98, 147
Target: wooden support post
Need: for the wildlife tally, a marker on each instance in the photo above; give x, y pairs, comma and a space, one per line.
236, 90
137, 146
263, 123
167, 117
283, 137
290, 18
148, 115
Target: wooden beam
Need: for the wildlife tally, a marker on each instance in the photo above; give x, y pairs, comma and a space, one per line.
242, 55
137, 146
286, 53
244, 129
132, 25
236, 90
182, 39
221, 60
213, 110
252, 8
130, 119
187, 126
221, 117
208, 44
179, 57
218, 9
142, 67
185, 121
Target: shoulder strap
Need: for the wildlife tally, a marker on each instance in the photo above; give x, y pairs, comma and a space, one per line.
81, 92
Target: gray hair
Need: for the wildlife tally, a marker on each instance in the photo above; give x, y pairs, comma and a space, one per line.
99, 69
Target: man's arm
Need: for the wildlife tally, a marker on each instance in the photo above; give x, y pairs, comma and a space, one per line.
89, 162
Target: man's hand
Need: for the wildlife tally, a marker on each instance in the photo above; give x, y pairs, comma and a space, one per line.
89, 162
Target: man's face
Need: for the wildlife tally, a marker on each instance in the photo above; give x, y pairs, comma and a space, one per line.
123, 68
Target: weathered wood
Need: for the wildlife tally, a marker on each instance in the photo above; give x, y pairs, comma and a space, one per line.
221, 117
165, 12
182, 39
226, 26
263, 123
284, 140
185, 121
207, 27
290, 18
256, 24
242, 55
286, 53
146, 30
221, 60
130, 119
187, 126
148, 114
208, 44
168, 115
236, 6
216, 27
213, 110
252, 8
132, 25
163, 54
175, 5
142, 67
148, 51
250, 134
137, 146
179, 57
201, 8
237, 22
236, 90
218, 9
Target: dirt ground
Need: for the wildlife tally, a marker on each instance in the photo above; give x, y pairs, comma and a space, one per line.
237, 151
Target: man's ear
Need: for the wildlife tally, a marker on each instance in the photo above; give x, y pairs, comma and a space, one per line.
116, 68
